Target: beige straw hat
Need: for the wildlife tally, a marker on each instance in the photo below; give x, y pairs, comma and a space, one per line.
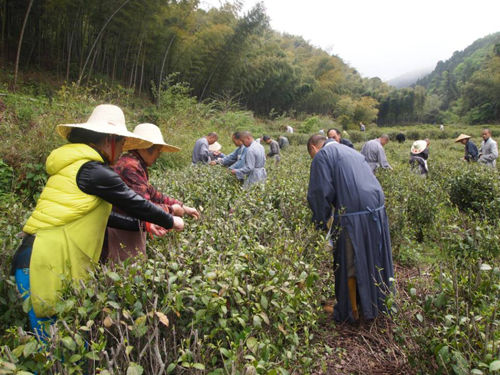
216, 146
418, 146
153, 134
107, 119
462, 136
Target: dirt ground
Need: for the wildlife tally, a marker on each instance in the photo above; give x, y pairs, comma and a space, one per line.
370, 347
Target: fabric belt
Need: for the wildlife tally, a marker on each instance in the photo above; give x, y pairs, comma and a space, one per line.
371, 212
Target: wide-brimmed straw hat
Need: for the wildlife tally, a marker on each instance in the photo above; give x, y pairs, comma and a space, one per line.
152, 133
417, 147
107, 119
216, 146
462, 136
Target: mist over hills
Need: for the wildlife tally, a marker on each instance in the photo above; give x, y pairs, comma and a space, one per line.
410, 78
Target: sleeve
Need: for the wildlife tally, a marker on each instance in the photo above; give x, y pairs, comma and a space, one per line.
137, 180
471, 151
204, 153
118, 221
491, 156
96, 179
382, 158
230, 159
248, 166
321, 193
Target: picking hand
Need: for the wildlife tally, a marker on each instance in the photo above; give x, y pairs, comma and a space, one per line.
177, 210
157, 230
193, 212
178, 224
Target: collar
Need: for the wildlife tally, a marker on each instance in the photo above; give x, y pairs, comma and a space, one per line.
137, 156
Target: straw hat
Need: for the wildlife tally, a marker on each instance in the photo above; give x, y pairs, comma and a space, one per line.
153, 134
462, 136
107, 119
417, 147
216, 146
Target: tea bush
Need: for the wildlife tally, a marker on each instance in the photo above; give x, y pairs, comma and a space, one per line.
240, 291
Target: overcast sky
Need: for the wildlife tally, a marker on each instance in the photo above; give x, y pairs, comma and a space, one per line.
384, 38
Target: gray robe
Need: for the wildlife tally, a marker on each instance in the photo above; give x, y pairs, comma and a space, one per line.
254, 168
201, 153
489, 153
374, 154
342, 179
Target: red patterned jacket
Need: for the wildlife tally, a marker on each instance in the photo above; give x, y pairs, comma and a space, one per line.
134, 172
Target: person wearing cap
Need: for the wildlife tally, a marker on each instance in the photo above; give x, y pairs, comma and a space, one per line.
274, 148
348, 203
337, 136
488, 150
132, 167
201, 152
471, 152
374, 153
63, 236
419, 153
253, 171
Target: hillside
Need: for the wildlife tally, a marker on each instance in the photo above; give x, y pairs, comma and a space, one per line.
409, 78
465, 88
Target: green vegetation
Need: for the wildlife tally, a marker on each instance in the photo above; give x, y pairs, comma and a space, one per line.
241, 291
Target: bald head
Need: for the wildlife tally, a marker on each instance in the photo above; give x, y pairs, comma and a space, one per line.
246, 137
486, 134
384, 139
315, 143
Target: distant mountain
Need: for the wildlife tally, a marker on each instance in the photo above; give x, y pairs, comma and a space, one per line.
410, 78
463, 64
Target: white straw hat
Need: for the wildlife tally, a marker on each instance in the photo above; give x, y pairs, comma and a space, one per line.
216, 146
107, 119
462, 136
153, 134
418, 146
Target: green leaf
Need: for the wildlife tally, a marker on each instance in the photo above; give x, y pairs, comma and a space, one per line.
134, 369
92, 355
75, 358
199, 366
226, 353
170, 368
113, 276
495, 365
263, 302
29, 348
252, 344
69, 343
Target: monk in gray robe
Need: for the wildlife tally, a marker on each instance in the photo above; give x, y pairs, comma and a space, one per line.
343, 185
201, 153
253, 170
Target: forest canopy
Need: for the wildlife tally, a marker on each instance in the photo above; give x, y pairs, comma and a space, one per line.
222, 54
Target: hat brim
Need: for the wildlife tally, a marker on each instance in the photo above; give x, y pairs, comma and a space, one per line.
462, 138
168, 148
132, 141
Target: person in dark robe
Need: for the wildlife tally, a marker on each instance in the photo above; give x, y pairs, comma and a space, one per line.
337, 135
342, 185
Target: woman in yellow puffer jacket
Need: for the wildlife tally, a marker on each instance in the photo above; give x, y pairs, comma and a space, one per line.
65, 232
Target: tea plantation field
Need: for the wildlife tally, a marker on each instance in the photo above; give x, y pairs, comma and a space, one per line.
246, 289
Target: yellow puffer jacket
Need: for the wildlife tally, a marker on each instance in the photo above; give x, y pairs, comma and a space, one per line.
69, 227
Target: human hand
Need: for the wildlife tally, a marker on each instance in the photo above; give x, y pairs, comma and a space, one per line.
213, 162
177, 210
233, 171
216, 153
193, 212
178, 224
157, 230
